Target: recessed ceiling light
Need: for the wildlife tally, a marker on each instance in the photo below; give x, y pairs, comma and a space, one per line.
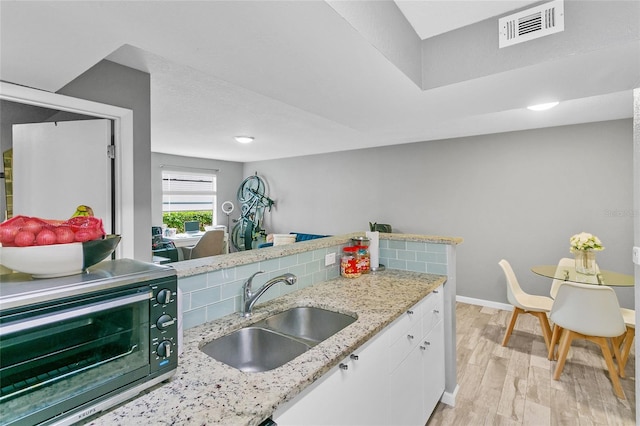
542, 107
244, 139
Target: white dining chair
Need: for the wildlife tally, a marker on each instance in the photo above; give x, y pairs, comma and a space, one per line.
588, 312
564, 262
629, 316
525, 303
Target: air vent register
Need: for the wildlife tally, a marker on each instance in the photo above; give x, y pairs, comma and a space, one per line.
538, 21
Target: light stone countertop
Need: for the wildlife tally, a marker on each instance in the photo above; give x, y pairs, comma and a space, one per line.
205, 391
207, 264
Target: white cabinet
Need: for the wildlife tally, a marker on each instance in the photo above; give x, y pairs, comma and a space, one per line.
397, 378
352, 393
417, 384
416, 381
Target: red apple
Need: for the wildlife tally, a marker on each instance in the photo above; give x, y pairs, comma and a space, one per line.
33, 226
46, 237
8, 233
24, 239
65, 235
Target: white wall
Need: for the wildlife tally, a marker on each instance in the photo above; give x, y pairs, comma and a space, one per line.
517, 195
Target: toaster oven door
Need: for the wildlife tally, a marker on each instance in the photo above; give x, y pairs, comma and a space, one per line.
58, 357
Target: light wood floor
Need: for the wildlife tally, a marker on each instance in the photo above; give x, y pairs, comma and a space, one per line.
513, 385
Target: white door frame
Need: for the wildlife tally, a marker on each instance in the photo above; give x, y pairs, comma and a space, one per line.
123, 140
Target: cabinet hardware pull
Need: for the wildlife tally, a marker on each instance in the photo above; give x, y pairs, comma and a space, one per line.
410, 312
423, 348
344, 366
435, 311
354, 357
427, 343
436, 291
410, 336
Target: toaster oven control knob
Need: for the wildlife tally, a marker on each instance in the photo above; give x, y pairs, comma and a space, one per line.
164, 349
165, 321
164, 296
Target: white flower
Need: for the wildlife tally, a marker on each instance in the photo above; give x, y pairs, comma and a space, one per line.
585, 241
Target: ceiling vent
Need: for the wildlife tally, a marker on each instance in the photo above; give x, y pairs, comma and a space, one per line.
532, 23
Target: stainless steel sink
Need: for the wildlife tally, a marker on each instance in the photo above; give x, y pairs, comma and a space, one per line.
276, 340
252, 349
309, 324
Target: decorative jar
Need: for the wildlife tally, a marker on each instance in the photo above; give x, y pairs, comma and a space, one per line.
349, 263
363, 259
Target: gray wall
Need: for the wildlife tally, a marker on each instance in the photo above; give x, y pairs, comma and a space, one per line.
229, 177
517, 195
114, 84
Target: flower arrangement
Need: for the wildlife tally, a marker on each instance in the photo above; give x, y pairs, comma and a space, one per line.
584, 242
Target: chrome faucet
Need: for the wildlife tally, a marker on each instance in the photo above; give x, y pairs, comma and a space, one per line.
249, 298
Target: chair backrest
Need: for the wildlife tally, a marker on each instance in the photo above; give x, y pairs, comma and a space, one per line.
514, 291
589, 309
210, 244
564, 262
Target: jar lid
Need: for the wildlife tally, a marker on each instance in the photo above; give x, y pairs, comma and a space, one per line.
350, 249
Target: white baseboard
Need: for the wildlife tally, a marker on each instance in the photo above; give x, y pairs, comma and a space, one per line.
449, 398
482, 302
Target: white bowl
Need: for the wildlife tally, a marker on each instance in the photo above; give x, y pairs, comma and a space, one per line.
57, 260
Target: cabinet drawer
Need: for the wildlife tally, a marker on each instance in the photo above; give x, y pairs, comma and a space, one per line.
433, 310
401, 326
404, 344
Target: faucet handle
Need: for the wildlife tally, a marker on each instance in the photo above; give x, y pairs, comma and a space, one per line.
248, 282
254, 274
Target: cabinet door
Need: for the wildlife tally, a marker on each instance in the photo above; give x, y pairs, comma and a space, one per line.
316, 405
366, 386
352, 393
433, 369
49, 180
405, 391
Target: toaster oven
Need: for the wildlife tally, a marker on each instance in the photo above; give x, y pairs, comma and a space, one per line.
71, 347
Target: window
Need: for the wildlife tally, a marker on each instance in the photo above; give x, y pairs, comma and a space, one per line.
189, 192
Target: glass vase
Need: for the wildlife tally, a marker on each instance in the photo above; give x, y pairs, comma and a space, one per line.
585, 262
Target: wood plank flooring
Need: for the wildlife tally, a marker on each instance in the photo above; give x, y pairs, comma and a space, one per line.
513, 385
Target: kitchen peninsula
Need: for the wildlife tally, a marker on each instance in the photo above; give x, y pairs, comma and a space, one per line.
205, 391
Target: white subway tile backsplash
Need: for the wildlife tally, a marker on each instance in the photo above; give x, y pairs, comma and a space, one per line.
215, 294
205, 297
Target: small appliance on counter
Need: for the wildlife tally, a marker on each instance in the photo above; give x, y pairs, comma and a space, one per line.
73, 346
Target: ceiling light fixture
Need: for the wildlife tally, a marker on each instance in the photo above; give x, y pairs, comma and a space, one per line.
244, 139
542, 107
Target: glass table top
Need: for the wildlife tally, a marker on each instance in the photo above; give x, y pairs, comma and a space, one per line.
568, 273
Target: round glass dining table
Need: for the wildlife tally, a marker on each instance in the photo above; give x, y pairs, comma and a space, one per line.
568, 273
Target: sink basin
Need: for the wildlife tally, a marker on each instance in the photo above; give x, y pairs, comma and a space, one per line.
253, 349
276, 340
309, 324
